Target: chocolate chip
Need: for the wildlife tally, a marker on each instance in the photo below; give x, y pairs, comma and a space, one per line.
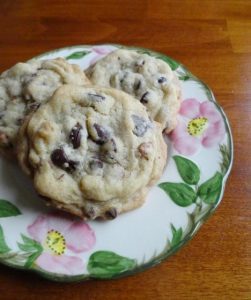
141, 125
114, 146
139, 64
162, 79
19, 121
9, 146
124, 78
72, 165
95, 164
96, 97
75, 136
143, 98
103, 134
33, 106
111, 214
59, 159
90, 213
137, 85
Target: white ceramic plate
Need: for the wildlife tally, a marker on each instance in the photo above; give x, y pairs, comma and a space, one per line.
54, 246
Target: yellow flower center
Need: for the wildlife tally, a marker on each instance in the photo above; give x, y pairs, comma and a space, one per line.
197, 126
55, 242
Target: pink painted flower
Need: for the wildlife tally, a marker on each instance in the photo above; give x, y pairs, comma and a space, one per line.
58, 235
199, 124
100, 52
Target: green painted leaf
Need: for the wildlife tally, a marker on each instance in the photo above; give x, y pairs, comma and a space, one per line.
77, 55
225, 154
188, 170
31, 259
29, 245
106, 264
7, 209
210, 190
177, 235
184, 77
173, 228
172, 63
3, 246
181, 193
212, 197
144, 51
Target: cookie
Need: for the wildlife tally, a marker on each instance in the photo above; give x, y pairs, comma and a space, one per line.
147, 78
92, 151
27, 85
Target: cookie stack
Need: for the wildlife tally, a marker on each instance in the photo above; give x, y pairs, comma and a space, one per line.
92, 143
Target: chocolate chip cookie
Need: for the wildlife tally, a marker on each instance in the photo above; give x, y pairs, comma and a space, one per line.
92, 151
27, 85
147, 78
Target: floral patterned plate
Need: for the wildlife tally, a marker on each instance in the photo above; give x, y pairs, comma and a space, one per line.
32, 237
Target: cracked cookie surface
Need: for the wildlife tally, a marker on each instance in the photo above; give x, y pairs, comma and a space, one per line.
27, 85
92, 151
147, 78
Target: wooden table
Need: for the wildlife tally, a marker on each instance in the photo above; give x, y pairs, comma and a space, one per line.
213, 39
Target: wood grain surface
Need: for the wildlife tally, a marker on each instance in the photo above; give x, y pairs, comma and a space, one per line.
213, 39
